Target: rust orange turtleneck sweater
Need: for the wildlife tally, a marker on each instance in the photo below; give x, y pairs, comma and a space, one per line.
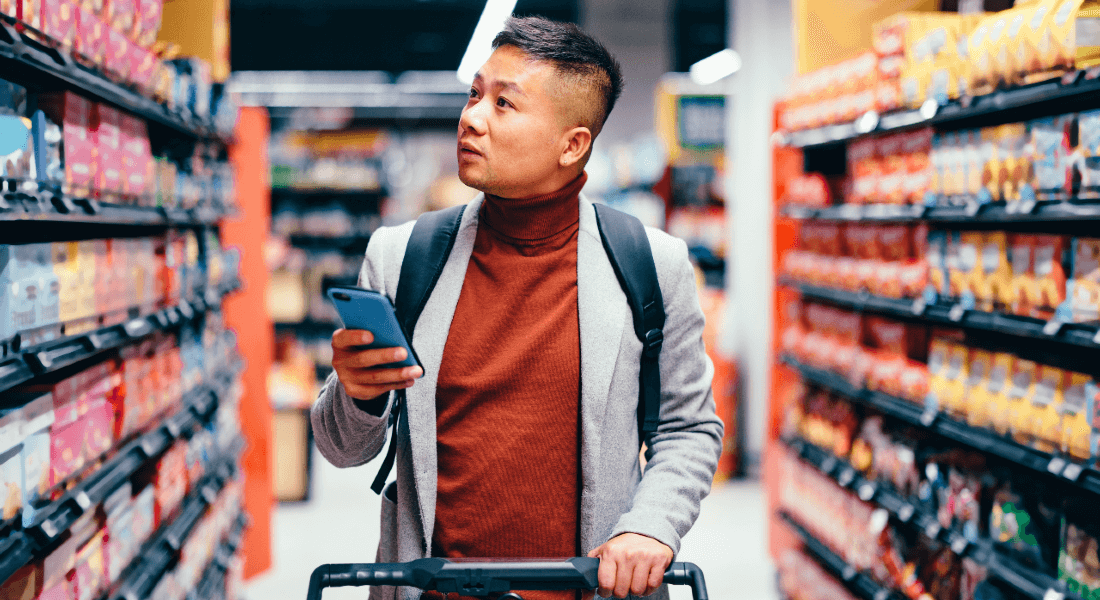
508, 399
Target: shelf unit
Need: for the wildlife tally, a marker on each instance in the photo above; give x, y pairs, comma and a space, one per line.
1066, 345
26, 364
1057, 467
25, 59
1071, 92
1072, 335
1028, 582
163, 549
53, 521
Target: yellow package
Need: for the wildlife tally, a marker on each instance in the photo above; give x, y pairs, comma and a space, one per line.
981, 53
916, 76
1078, 404
996, 272
1044, 419
975, 160
1016, 168
992, 173
967, 277
1004, 52
1019, 398
977, 381
1028, 58
1060, 49
67, 270
995, 393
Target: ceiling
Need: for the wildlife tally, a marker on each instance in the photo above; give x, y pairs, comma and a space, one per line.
352, 35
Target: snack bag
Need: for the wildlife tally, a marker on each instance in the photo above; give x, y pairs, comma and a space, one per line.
1023, 294
938, 357
1085, 297
991, 165
1050, 141
1028, 58
956, 375
935, 258
994, 394
967, 274
1044, 421
995, 275
1017, 172
977, 381
1050, 274
1024, 375
975, 159
1079, 402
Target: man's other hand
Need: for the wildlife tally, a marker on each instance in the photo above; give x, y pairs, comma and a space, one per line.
358, 368
631, 564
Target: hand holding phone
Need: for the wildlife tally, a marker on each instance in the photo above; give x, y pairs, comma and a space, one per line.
371, 356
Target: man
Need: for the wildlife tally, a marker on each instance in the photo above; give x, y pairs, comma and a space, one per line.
521, 437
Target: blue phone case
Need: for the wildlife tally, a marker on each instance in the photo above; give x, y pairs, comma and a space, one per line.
367, 309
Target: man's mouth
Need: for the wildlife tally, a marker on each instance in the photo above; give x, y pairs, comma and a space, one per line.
468, 150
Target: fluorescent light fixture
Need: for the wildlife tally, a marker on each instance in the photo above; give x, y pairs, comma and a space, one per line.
492, 20
715, 67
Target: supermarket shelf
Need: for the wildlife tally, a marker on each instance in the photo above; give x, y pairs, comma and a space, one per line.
47, 357
311, 194
1027, 581
29, 62
980, 439
310, 327
143, 575
1047, 211
356, 244
214, 575
54, 520
863, 586
1083, 336
1076, 91
59, 208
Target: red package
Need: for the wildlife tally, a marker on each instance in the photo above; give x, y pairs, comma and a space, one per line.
108, 136
120, 15
895, 242
91, 36
75, 114
863, 241
147, 24
891, 182
913, 278
863, 164
117, 61
919, 174
59, 21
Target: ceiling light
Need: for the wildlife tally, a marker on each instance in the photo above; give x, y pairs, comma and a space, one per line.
492, 20
715, 67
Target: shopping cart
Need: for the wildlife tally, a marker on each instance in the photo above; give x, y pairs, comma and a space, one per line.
480, 578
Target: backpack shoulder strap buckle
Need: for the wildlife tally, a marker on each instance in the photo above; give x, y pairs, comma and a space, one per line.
654, 339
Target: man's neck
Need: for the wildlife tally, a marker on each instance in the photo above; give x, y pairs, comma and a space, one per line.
535, 217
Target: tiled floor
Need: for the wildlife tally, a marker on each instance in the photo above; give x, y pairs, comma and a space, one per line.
340, 525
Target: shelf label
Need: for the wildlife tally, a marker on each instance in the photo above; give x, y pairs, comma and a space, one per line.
846, 477
905, 513
1052, 327
933, 530
867, 492
828, 465
959, 544
83, 501
882, 594
1096, 338
848, 574
1057, 465
919, 306
1073, 471
928, 417
1053, 594
850, 212
957, 313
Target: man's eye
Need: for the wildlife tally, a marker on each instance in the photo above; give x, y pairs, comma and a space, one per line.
501, 102
473, 93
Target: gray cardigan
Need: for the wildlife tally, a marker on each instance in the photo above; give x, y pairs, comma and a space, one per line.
616, 497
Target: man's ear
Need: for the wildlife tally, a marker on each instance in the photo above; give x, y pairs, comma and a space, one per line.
578, 141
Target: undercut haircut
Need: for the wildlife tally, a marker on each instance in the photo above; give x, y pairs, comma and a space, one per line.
575, 55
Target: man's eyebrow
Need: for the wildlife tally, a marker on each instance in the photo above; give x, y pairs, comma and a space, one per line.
503, 83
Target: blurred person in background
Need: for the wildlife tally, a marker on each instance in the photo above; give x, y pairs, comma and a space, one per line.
521, 436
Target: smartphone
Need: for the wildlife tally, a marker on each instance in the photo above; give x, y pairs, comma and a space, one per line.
367, 309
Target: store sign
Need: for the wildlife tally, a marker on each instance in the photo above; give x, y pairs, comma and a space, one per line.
701, 122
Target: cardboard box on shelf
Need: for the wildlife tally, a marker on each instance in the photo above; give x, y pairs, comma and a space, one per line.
147, 24
59, 22
91, 36
108, 140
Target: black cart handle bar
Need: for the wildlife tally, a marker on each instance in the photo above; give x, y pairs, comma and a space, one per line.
480, 578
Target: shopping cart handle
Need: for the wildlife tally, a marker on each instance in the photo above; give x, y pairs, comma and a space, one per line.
482, 578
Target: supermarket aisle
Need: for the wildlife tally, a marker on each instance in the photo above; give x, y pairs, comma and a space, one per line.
340, 524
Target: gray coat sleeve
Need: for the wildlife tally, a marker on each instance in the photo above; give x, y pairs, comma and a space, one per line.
682, 456
346, 435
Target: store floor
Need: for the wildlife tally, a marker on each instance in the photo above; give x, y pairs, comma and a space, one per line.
340, 524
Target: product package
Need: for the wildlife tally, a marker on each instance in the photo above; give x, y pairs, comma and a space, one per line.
1079, 559
1085, 287
1086, 160
994, 395
1078, 405
1043, 424
978, 373
75, 114
1024, 376
108, 140
1050, 273
968, 274
1023, 295
994, 284
1050, 138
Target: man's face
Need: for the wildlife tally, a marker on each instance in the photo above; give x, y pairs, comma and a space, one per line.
512, 132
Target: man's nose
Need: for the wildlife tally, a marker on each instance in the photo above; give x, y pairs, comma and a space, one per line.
473, 118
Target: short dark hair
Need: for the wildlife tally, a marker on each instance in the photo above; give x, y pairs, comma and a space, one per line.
571, 51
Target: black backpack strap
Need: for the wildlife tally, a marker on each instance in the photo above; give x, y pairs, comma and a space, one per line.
433, 237
627, 246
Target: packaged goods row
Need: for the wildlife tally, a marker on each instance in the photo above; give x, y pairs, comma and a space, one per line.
1040, 527
939, 56
61, 427
108, 541
119, 38
1047, 408
64, 288
323, 220
92, 150
1034, 275
347, 160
